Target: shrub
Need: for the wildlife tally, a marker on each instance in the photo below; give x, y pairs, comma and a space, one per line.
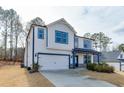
102, 67
35, 67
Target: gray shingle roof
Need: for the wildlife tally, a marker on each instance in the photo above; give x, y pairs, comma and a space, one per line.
110, 56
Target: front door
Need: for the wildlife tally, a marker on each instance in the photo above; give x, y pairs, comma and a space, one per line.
76, 61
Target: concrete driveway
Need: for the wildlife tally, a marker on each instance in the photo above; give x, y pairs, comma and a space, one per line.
72, 78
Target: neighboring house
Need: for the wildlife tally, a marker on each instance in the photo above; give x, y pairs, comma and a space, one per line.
121, 56
56, 46
111, 56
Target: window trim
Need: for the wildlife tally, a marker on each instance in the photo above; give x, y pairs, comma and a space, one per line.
61, 37
88, 47
40, 32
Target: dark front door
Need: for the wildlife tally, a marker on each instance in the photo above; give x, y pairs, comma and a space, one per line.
76, 61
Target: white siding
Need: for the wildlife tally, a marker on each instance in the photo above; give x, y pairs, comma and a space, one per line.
53, 47
40, 45
30, 49
80, 58
80, 43
51, 34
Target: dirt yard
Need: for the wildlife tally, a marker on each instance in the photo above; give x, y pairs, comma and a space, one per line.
14, 76
113, 78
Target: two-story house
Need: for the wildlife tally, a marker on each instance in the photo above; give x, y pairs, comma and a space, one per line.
56, 46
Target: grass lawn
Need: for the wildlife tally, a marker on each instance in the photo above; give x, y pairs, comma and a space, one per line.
14, 76
113, 78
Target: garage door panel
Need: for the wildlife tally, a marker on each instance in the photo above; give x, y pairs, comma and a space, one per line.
53, 62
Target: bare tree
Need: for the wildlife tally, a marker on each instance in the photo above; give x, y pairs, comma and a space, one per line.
13, 16
5, 22
11, 28
18, 30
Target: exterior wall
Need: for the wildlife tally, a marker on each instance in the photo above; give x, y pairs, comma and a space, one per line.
51, 34
30, 38
81, 43
41, 45
48, 44
80, 58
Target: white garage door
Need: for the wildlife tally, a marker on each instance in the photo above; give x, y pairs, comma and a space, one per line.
53, 62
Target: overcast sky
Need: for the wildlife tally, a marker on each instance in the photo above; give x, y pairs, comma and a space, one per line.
109, 20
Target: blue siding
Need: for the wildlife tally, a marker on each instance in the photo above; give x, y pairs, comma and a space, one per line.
61, 37
87, 43
40, 33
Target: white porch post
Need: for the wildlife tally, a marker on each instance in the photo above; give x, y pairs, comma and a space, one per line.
91, 58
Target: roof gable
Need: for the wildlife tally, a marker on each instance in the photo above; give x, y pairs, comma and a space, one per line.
64, 22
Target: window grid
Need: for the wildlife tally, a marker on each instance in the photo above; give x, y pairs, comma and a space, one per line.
40, 33
87, 43
61, 37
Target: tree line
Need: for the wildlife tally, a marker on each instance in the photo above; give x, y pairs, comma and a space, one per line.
11, 31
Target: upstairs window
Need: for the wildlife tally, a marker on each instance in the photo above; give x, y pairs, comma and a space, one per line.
87, 43
61, 37
121, 56
76, 42
40, 33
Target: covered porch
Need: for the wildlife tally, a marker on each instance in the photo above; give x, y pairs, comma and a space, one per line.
85, 53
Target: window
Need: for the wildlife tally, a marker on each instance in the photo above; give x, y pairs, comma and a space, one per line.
61, 37
87, 43
76, 42
40, 33
121, 56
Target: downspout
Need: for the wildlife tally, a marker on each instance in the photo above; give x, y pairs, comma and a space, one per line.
33, 48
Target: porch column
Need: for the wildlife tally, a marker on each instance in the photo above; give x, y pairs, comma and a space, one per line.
91, 58
73, 59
